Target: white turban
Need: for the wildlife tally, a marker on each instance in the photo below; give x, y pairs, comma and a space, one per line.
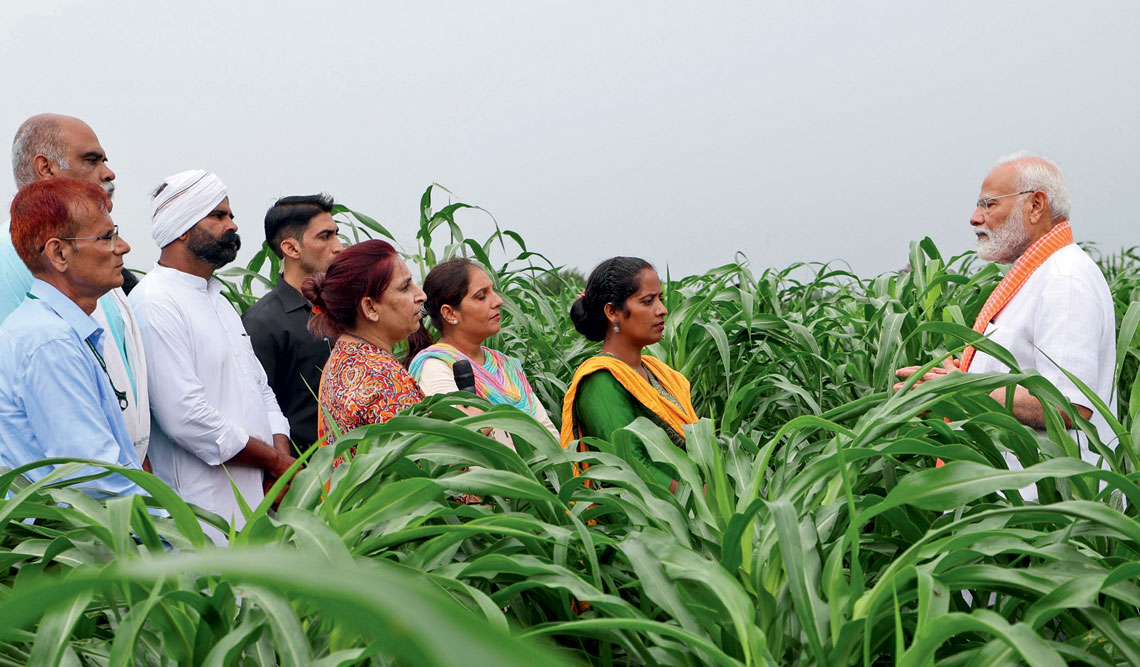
188, 197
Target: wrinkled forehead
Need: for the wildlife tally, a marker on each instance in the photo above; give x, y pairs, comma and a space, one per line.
400, 272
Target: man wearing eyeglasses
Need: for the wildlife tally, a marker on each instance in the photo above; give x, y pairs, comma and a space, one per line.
1053, 309
56, 396
51, 146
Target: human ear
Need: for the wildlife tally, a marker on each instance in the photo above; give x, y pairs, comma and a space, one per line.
44, 167
449, 314
55, 255
291, 248
612, 313
368, 306
1039, 206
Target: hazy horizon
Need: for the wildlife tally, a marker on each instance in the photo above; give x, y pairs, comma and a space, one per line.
681, 133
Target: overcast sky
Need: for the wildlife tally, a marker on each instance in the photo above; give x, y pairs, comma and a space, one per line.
684, 133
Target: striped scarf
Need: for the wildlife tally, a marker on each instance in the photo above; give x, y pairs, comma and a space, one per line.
500, 380
1032, 259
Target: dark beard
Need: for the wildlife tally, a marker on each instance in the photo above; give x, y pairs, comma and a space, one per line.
217, 252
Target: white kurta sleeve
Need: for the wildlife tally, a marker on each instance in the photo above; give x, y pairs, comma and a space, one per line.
177, 397
436, 377
1068, 332
542, 418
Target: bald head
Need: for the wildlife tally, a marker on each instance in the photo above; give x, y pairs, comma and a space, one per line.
51, 145
1033, 172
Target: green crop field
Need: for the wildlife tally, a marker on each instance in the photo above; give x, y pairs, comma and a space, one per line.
811, 526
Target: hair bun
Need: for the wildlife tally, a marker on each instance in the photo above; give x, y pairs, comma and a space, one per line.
311, 290
611, 282
591, 324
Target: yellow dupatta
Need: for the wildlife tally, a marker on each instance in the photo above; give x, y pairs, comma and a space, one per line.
673, 382
1030, 260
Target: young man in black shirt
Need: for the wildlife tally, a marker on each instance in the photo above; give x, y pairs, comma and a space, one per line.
301, 231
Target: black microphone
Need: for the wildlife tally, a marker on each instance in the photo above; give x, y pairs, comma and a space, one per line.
464, 376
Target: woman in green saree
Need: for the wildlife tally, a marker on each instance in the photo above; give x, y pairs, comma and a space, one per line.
622, 308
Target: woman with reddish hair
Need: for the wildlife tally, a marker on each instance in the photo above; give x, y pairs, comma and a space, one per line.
368, 302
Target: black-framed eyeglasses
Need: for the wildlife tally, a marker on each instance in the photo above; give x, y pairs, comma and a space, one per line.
985, 203
109, 237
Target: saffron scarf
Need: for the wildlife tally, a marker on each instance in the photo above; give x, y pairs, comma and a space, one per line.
500, 380
673, 382
1031, 260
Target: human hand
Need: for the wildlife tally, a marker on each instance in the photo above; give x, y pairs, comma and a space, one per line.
267, 485
281, 444
280, 465
950, 365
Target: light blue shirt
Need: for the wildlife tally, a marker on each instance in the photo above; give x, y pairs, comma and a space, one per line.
16, 280
55, 397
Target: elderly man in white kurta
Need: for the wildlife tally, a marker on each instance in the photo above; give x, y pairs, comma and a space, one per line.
1053, 309
215, 417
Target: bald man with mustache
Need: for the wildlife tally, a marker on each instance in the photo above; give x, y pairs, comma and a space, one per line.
50, 146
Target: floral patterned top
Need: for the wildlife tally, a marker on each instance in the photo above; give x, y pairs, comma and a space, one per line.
362, 384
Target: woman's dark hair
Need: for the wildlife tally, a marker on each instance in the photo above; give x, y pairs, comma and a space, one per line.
446, 284
361, 270
612, 281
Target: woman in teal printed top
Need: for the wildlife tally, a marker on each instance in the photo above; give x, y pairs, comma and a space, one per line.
464, 308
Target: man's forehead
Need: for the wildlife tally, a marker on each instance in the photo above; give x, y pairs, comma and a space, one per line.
1001, 178
320, 222
79, 135
222, 207
90, 213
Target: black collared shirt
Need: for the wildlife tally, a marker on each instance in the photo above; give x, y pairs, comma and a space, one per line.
291, 356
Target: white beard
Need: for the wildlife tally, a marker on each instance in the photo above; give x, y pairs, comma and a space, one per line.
1006, 242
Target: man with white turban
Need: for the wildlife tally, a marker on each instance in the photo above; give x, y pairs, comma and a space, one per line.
216, 419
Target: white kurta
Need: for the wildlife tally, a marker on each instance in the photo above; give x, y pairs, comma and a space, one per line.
1064, 312
208, 392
